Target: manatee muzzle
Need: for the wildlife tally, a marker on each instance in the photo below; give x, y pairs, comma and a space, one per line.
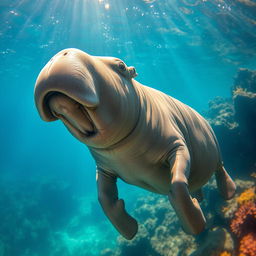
67, 74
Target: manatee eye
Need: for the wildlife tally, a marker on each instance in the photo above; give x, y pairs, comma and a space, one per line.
121, 66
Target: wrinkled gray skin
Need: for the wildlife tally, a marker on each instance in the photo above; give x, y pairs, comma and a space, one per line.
134, 133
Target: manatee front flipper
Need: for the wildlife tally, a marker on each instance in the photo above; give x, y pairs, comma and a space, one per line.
113, 207
187, 208
225, 184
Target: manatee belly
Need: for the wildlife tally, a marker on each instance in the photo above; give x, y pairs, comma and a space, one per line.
155, 178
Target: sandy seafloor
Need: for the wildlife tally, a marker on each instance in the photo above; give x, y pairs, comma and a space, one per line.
202, 52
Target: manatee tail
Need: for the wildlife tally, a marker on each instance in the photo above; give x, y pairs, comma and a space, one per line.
225, 184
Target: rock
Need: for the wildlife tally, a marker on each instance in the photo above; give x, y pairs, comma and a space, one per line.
245, 79
217, 240
234, 122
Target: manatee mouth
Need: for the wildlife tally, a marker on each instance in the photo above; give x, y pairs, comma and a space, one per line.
88, 133
92, 132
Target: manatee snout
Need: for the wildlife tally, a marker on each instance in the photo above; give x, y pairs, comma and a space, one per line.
67, 73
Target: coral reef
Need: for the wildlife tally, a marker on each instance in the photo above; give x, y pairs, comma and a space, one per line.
228, 208
160, 234
246, 80
244, 95
245, 219
223, 112
48, 218
243, 225
159, 231
225, 253
248, 245
233, 121
247, 195
213, 243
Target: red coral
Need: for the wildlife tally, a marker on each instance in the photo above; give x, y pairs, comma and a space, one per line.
248, 245
244, 221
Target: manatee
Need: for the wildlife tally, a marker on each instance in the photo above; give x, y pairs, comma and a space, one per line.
134, 133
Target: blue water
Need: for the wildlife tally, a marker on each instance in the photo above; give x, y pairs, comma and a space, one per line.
189, 49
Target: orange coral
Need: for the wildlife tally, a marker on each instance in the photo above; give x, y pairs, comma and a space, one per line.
243, 225
248, 245
245, 219
247, 195
225, 253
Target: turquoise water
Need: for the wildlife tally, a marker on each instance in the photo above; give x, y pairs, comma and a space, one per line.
190, 49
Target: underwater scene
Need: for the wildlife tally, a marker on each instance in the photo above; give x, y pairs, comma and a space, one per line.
201, 52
